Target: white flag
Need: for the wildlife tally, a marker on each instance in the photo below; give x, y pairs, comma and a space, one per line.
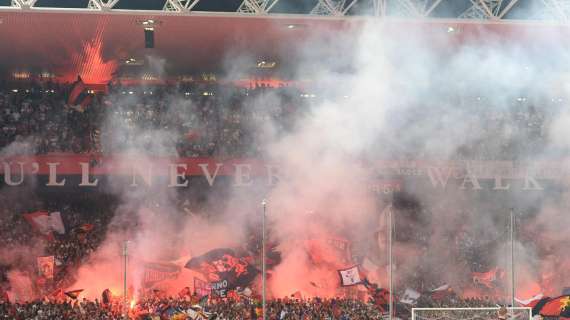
45, 222
349, 277
55, 222
528, 301
410, 296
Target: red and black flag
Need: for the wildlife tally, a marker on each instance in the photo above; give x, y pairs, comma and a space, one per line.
106, 297
185, 292
78, 96
380, 296
489, 279
556, 307
73, 294
225, 265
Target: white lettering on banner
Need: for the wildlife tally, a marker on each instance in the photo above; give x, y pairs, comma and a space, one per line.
470, 178
8, 174
531, 184
243, 175
436, 176
474, 175
147, 178
499, 185
211, 178
272, 175
174, 175
219, 285
85, 176
52, 180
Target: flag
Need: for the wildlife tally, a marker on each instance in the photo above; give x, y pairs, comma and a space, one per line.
297, 295
158, 271
78, 96
86, 227
106, 296
196, 313
327, 250
73, 294
224, 264
537, 305
531, 302
489, 278
441, 292
184, 292
410, 296
45, 223
349, 277
192, 134
556, 307
201, 288
58, 296
368, 265
45, 266
380, 296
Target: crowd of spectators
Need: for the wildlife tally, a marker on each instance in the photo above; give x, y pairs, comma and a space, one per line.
196, 120
190, 121
243, 309
85, 218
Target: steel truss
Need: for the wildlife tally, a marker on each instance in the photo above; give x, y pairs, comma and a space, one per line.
256, 6
551, 10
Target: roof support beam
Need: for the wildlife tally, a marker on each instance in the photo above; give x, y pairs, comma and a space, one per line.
333, 7
22, 4
558, 9
508, 8
380, 7
180, 5
488, 9
417, 8
256, 6
102, 5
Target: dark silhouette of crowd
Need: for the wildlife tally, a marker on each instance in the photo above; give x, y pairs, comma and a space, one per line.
193, 120
222, 120
227, 309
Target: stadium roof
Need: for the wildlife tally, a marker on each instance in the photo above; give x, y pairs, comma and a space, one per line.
91, 42
465, 9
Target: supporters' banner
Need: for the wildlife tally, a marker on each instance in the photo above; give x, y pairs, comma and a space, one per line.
556, 307
45, 223
490, 278
349, 277
157, 271
73, 294
391, 175
220, 288
45, 266
201, 288
225, 264
410, 296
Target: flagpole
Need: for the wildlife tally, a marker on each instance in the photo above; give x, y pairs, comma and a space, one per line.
512, 261
263, 264
126, 257
391, 284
